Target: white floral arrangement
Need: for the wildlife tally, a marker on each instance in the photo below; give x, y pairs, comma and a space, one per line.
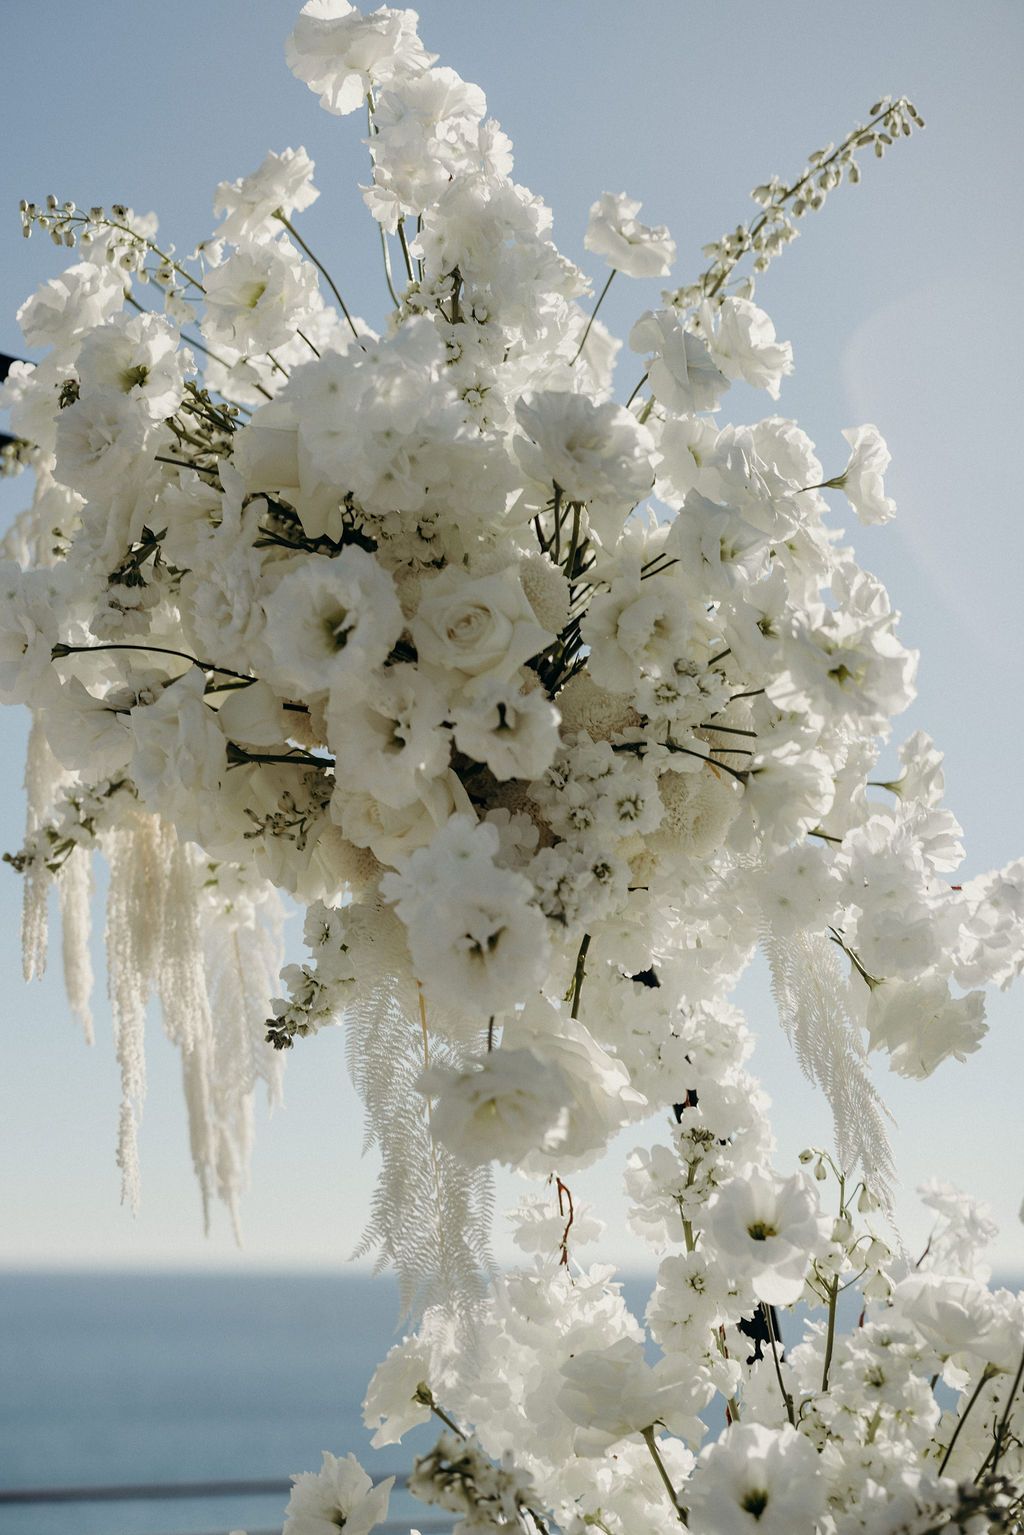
551, 711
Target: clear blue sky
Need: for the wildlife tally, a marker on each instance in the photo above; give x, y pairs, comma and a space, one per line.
901, 302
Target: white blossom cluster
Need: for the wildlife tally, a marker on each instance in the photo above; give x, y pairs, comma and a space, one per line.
549, 710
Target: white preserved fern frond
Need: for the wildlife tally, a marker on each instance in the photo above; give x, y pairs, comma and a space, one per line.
813, 1001
430, 1216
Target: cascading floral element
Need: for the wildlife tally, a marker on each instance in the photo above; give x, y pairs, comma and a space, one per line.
549, 710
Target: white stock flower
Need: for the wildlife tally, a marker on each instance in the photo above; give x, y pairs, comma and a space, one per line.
473, 932
742, 345
386, 735
256, 297
682, 374
615, 232
179, 752
921, 1024
766, 1230
594, 453
338, 1496
756, 1479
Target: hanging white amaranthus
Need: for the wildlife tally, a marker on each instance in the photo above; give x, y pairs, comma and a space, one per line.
549, 710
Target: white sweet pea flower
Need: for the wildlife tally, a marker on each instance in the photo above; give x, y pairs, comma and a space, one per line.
507, 1104
256, 297
766, 1231
393, 1403
921, 1024
861, 480
283, 182
756, 1481
741, 340
680, 368
615, 232
613, 1393
338, 1496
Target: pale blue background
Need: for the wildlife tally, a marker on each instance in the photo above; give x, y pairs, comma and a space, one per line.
902, 303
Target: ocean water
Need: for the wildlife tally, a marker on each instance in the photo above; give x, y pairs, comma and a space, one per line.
122, 1379
131, 1378
117, 1379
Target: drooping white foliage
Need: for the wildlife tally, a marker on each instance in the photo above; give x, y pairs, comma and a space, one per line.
812, 996
548, 696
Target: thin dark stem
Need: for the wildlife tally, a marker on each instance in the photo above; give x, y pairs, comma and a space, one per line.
62, 650
983, 1380
579, 974
830, 1338
770, 1324
388, 275
636, 391
593, 317
406, 254
322, 270
652, 1444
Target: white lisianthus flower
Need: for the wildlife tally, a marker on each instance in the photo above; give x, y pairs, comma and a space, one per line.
343, 54
256, 297
514, 733
861, 480
330, 621
388, 741
766, 1230
615, 232
613, 1392
504, 1106
473, 931
743, 345
756, 1479
284, 181
680, 368
338, 1496
921, 1024
476, 626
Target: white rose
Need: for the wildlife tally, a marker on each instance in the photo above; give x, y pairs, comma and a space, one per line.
482, 627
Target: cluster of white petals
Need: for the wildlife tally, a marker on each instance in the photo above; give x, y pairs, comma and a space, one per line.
550, 711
